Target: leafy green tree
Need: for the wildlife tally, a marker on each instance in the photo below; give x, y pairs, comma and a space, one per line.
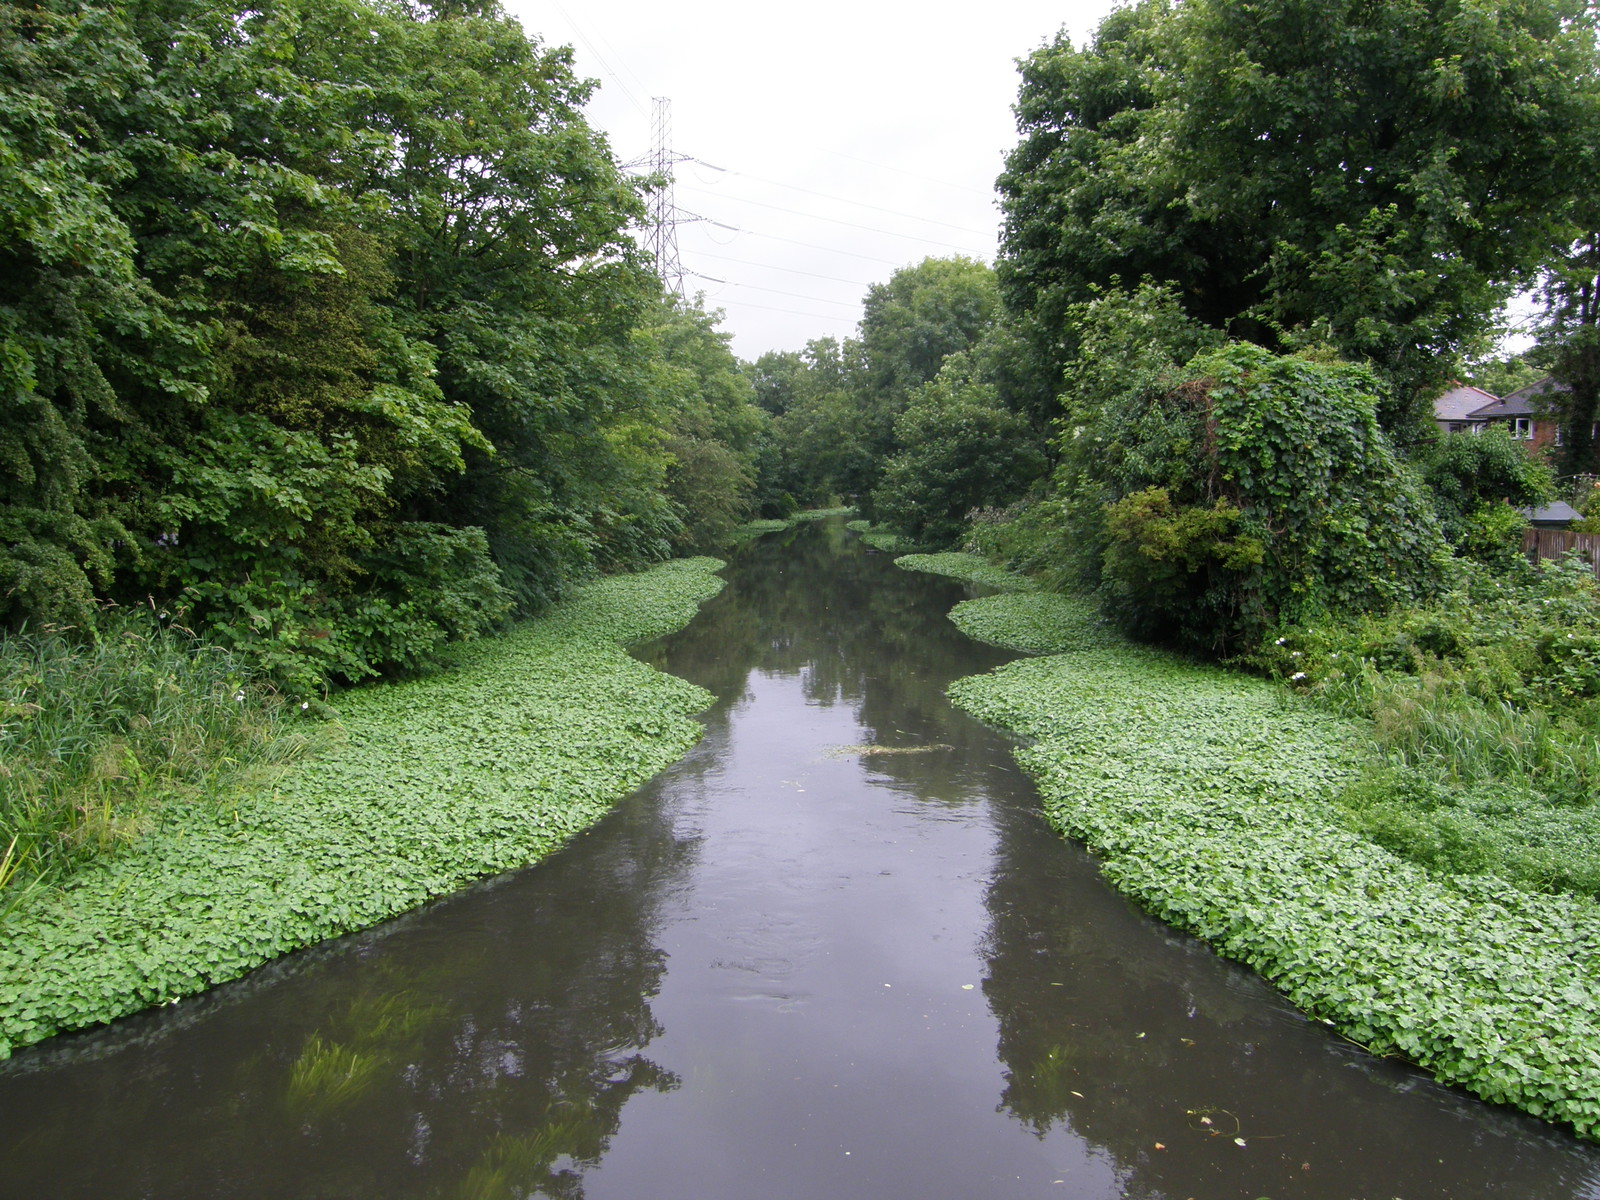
1374, 176
1500, 376
820, 439
909, 325
714, 429
69, 285
960, 449
1569, 340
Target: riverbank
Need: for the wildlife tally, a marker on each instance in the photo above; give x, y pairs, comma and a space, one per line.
525, 741
1209, 797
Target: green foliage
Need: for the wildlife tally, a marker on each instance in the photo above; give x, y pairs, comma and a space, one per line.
100, 734
1212, 503
1377, 177
880, 537
837, 404
714, 428
525, 742
1486, 705
959, 449
1504, 375
970, 568
1021, 617
1208, 800
1473, 480
305, 305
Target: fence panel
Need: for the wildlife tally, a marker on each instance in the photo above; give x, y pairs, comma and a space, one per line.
1540, 544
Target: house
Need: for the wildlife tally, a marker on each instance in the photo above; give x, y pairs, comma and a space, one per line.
1452, 410
1528, 412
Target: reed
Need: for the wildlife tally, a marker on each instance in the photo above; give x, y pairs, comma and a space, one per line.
100, 731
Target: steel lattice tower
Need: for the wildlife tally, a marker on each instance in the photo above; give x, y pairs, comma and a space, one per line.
662, 240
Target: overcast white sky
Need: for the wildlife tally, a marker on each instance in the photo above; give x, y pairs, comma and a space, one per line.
854, 138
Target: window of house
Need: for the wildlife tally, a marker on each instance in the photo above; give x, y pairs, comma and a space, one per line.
1561, 433
1522, 427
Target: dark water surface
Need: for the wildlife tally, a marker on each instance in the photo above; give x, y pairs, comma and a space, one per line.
786, 968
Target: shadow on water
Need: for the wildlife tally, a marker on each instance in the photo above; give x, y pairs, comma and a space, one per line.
834, 952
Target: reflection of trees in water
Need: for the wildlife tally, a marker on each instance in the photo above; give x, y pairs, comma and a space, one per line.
485, 1048
890, 657
1127, 1042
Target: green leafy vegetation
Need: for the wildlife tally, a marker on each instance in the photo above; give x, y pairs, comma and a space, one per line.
97, 738
325, 323
1485, 708
971, 568
524, 741
1209, 798
879, 537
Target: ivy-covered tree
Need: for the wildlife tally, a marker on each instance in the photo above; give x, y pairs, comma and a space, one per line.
1210, 498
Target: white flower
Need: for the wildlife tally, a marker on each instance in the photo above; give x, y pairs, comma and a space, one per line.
239, 695
1297, 677
1280, 641
304, 704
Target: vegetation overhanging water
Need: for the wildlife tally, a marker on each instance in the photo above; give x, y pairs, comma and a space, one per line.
1210, 798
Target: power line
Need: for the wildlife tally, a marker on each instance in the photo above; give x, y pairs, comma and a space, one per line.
838, 221
617, 79
794, 187
787, 270
960, 187
775, 291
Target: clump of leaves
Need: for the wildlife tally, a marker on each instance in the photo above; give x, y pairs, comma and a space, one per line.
970, 568
490, 765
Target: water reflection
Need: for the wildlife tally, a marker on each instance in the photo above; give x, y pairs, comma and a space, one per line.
834, 952
483, 1047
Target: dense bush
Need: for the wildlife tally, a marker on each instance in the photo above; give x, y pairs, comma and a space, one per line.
1478, 483
1213, 501
1486, 706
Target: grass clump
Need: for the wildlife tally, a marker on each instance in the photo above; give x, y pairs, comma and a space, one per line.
526, 740
98, 735
1022, 617
880, 537
1485, 709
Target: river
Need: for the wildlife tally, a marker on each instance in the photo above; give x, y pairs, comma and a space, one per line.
834, 952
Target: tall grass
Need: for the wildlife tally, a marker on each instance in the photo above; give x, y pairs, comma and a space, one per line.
1486, 710
98, 733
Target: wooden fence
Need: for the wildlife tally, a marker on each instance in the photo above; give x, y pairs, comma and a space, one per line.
1539, 544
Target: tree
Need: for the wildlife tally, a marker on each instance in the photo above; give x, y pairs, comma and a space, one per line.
1376, 176
1569, 340
960, 449
714, 430
909, 325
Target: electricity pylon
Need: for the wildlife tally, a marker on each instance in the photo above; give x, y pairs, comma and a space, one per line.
661, 240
